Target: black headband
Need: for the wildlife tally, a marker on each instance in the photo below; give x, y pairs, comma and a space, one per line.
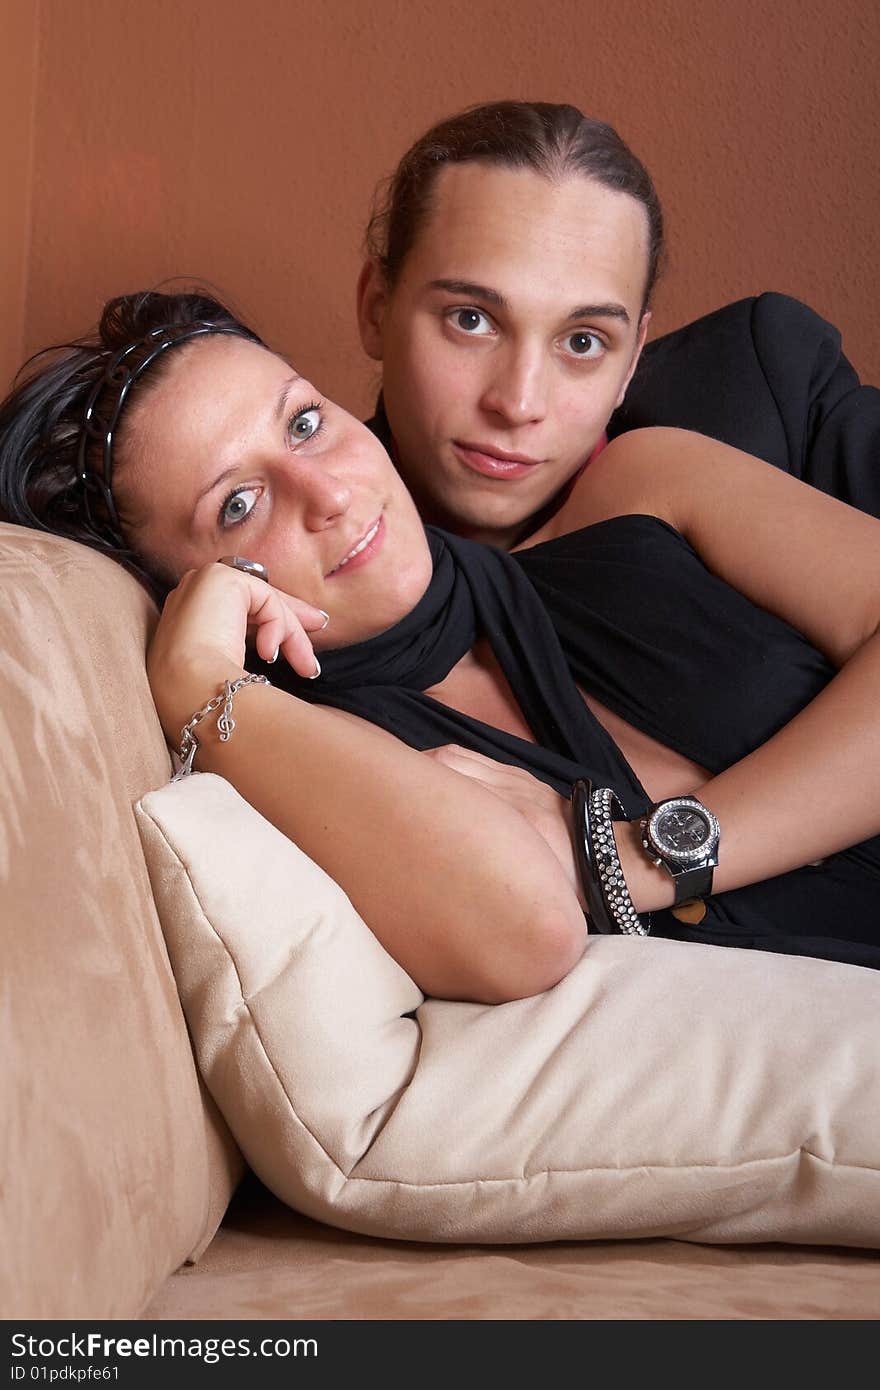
120, 374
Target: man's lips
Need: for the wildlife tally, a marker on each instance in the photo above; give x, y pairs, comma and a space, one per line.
493, 462
363, 549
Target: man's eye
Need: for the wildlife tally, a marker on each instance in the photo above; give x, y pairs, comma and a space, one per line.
238, 506
471, 321
585, 344
305, 424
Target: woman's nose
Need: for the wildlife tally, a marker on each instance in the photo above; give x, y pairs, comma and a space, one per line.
325, 496
516, 387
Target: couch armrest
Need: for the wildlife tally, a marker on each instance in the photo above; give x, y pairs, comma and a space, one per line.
115, 1167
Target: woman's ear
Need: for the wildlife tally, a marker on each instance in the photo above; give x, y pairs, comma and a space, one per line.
637, 352
372, 299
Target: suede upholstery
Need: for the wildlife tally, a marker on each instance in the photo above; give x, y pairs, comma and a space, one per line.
116, 1167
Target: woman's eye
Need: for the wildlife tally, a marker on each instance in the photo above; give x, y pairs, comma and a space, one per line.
238, 506
471, 321
304, 425
583, 344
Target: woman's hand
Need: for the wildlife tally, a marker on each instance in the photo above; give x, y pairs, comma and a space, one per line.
543, 808
201, 636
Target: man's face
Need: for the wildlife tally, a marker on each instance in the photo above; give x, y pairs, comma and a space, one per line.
508, 340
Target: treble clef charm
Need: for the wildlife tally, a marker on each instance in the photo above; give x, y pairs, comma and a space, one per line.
226, 723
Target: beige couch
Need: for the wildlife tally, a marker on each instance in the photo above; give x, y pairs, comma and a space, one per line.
118, 1171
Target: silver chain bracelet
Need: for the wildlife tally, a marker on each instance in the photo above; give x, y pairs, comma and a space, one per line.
189, 744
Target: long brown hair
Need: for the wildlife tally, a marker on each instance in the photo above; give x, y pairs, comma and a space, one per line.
554, 140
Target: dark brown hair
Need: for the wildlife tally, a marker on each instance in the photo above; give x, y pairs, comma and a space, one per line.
554, 140
41, 420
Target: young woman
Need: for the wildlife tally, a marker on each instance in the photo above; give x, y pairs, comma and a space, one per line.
507, 292
658, 641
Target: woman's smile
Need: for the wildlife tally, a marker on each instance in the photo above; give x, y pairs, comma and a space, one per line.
363, 551
322, 494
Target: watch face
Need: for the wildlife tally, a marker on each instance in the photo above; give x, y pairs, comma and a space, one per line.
682, 830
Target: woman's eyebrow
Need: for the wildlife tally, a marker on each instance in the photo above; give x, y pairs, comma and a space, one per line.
284, 394
277, 414
215, 482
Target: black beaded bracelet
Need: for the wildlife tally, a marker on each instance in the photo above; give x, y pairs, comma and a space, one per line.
609, 905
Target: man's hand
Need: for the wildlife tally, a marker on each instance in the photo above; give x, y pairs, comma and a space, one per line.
543, 808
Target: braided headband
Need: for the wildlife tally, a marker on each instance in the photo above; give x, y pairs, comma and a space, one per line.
120, 374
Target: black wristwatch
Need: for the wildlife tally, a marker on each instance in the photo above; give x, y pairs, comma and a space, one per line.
681, 835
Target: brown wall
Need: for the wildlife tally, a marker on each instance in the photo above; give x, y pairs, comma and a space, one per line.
241, 142
18, 72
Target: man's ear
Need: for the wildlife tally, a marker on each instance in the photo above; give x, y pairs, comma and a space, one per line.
640, 343
372, 300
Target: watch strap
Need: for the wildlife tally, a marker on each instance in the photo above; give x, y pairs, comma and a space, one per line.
693, 883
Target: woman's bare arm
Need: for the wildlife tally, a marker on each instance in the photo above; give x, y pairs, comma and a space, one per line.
457, 886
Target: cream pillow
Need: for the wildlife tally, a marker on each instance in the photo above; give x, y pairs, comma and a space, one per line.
661, 1089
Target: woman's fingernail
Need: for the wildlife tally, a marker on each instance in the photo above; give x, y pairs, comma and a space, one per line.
317, 670
274, 656
326, 617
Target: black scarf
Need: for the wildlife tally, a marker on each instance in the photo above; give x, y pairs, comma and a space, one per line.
475, 589
613, 608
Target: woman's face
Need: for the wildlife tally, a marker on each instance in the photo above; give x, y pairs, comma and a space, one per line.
231, 452
508, 340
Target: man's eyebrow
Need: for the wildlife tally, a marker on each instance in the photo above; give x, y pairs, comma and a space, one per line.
470, 290
600, 311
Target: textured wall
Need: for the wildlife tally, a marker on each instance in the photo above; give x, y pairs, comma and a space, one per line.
241, 142
18, 70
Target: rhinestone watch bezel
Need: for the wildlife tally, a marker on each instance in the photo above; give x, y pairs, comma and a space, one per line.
653, 843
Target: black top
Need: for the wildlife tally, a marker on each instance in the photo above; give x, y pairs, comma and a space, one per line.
766, 375
628, 610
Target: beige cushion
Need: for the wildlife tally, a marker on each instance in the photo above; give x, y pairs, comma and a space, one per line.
114, 1165
662, 1088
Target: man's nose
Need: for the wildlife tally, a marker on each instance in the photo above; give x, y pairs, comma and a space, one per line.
516, 386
